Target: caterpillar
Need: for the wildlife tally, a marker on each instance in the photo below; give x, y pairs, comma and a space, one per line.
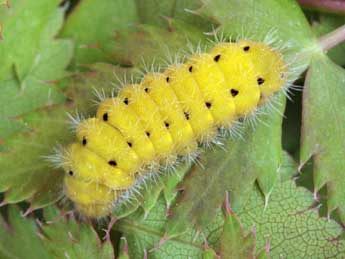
165, 117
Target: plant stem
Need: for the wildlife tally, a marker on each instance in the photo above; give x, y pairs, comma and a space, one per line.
331, 6
332, 39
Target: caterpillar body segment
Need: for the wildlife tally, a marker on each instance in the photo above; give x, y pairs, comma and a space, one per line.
78, 191
101, 138
118, 114
191, 100
240, 75
166, 116
213, 86
171, 111
269, 70
150, 117
87, 166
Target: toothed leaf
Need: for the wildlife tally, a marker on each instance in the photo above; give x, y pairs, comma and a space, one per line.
30, 66
26, 174
323, 129
145, 233
233, 167
234, 243
290, 224
150, 190
60, 239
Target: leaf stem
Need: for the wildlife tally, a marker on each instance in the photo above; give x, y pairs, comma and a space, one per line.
332, 39
330, 6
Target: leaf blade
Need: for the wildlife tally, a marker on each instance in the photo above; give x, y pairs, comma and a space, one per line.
323, 128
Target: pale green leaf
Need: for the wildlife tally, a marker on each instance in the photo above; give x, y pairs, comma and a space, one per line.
323, 129
32, 63
291, 224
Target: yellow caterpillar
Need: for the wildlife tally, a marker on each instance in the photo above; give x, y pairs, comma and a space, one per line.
165, 117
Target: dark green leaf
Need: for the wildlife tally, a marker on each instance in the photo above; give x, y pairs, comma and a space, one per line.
61, 238
145, 231
95, 26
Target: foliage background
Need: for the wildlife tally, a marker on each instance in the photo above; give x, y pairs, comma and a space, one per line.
284, 178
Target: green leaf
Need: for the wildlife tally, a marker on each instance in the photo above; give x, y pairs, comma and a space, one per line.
145, 232
234, 243
96, 35
323, 129
233, 167
24, 238
291, 224
150, 192
32, 65
113, 33
259, 156
64, 237
257, 18
20, 238
209, 253
26, 174
160, 13
157, 44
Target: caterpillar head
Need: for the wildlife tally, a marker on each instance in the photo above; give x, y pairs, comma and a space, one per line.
270, 68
